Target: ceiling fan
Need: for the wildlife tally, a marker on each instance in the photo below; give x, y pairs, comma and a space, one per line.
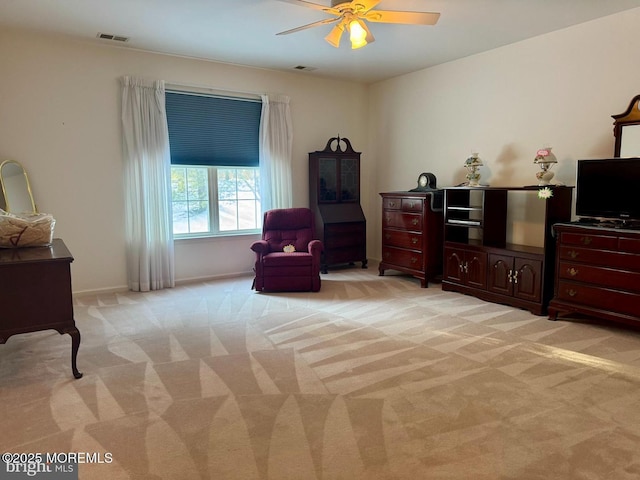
351, 16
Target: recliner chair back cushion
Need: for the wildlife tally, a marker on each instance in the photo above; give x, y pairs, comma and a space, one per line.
291, 226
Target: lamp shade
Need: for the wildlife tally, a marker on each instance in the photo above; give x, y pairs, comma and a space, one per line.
545, 155
473, 161
357, 34
334, 35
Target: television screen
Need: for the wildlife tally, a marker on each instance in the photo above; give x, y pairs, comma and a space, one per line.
606, 188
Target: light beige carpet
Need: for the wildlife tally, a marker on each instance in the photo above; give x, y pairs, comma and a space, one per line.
371, 378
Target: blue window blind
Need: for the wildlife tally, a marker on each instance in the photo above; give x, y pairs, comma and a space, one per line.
208, 130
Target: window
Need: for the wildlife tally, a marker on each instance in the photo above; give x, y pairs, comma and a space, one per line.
215, 200
215, 184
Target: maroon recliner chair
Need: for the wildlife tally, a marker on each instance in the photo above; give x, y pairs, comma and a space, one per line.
277, 267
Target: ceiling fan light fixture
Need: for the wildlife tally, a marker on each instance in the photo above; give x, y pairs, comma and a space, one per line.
334, 35
357, 34
351, 16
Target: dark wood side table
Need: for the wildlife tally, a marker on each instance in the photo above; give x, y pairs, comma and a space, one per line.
35, 293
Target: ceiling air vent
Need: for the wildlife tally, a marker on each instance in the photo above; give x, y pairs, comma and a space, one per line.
302, 67
110, 36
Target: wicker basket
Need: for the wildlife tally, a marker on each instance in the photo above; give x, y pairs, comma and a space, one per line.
26, 230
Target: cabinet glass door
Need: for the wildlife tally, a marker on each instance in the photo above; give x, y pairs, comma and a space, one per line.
328, 184
349, 188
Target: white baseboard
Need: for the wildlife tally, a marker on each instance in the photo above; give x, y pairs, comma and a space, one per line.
182, 281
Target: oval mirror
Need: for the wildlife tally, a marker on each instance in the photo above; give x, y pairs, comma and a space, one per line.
16, 191
626, 130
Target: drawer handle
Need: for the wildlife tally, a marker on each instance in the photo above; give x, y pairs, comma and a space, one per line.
411, 204
414, 240
386, 254
414, 221
572, 292
387, 236
586, 240
392, 204
414, 260
572, 271
573, 254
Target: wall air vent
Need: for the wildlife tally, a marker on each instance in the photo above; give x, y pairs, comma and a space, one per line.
110, 36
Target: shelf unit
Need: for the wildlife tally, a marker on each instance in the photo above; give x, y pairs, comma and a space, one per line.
476, 210
477, 259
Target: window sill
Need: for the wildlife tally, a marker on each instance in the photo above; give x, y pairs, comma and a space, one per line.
211, 237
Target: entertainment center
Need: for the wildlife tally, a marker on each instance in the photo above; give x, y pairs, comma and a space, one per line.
477, 258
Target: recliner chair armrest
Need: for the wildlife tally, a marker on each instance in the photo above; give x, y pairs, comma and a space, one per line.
261, 247
315, 247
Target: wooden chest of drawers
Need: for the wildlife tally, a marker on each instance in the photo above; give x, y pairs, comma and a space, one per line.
597, 273
412, 235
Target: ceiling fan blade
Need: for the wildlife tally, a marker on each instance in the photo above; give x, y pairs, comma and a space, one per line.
315, 6
310, 25
334, 35
411, 18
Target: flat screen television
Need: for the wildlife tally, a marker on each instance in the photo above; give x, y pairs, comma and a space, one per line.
608, 189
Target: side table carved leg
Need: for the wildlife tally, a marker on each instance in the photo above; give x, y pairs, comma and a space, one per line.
75, 345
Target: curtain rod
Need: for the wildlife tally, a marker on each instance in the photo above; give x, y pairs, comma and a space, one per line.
209, 88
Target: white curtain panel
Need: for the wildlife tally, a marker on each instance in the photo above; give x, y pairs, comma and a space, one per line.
276, 140
147, 182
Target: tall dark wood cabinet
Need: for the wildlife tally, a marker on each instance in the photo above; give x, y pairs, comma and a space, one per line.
477, 259
334, 196
412, 234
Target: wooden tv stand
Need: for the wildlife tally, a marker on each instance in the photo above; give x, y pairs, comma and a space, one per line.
35, 292
597, 272
488, 267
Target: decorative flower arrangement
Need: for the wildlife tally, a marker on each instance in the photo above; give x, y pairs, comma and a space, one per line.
289, 249
545, 193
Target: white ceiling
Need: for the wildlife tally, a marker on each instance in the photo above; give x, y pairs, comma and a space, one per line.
244, 31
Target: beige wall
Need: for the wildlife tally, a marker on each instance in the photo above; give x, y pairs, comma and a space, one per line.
60, 117
558, 89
